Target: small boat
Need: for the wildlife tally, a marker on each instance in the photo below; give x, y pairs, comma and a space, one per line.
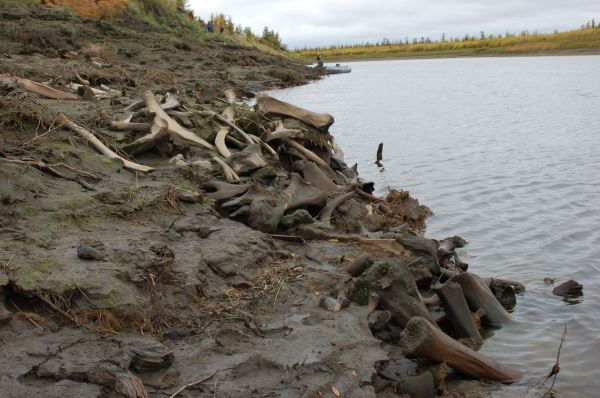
334, 70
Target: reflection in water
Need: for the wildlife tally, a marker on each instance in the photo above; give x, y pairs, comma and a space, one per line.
505, 151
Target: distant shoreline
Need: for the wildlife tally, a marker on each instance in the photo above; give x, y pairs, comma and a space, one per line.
594, 51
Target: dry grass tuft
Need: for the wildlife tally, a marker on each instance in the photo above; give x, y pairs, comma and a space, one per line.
152, 75
96, 50
19, 108
238, 302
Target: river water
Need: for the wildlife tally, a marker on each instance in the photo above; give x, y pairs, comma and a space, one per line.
506, 152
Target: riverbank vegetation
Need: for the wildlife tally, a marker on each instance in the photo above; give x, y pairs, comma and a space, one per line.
584, 39
166, 16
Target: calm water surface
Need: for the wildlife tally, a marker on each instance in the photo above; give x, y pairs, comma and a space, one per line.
506, 152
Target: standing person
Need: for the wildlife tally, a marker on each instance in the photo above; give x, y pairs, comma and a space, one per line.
210, 26
320, 62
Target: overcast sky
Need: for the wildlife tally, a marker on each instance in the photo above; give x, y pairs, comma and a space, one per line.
323, 22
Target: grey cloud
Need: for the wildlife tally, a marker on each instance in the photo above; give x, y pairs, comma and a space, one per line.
317, 22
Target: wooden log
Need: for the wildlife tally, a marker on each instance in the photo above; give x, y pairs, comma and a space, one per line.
379, 155
421, 338
458, 312
61, 118
479, 295
360, 264
271, 106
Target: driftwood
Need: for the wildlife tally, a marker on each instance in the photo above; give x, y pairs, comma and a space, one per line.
359, 265
35, 87
379, 155
53, 169
332, 204
479, 295
421, 338
163, 127
457, 311
271, 106
61, 118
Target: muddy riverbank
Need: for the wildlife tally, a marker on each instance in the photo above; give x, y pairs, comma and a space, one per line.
245, 259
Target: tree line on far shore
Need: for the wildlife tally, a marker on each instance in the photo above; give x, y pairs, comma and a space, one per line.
587, 36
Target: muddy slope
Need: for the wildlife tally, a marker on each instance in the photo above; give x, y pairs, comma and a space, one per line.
123, 284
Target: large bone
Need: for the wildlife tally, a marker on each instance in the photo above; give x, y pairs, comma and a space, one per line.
282, 132
332, 204
228, 114
255, 192
35, 87
245, 135
314, 175
421, 338
479, 295
228, 172
263, 144
396, 287
271, 106
224, 190
301, 194
457, 311
310, 155
163, 126
61, 118
127, 126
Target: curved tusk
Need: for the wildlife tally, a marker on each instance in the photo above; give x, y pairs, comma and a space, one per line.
228, 172
220, 142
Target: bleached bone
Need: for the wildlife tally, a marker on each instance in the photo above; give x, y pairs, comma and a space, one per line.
35, 87
310, 155
271, 106
163, 126
229, 174
62, 119
126, 126
282, 132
